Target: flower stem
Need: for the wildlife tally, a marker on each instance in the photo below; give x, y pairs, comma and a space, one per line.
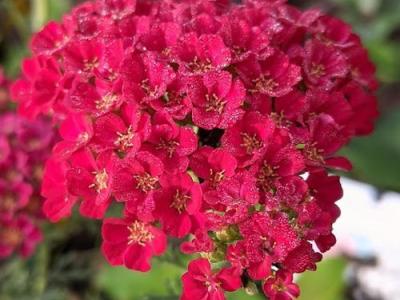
39, 13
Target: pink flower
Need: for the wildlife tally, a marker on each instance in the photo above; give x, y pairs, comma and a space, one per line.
24, 147
365, 106
58, 203
145, 77
268, 236
91, 179
232, 199
293, 25
325, 242
115, 8
121, 133
257, 270
361, 68
52, 38
171, 143
280, 160
209, 118
326, 189
216, 100
110, 63
82, 56
177, 203
39, 87
76, 132
248, 138
274, 76
200, 55
334, 32
201, 283
200, 243
243, 39
34, 137
321, 141
325, 186
213, 165
18, 234
291, 106
280, 286
175, 101
5, 150
136, 178
161, 37
14, 197
334, 104
132, 243
204, 23
324, 65
99, 100
302, 258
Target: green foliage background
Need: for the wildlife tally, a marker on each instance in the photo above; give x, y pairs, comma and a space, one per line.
69, 266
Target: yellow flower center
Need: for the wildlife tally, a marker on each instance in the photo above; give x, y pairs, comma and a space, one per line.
317, 70
145, 182
264, 84
216, 177
168, 146
214, 104
180, 201
147, 89
251, 143
100, 181
198, 66
266, 176
139, 234
11, 236
106, 102
124, 140
89, 65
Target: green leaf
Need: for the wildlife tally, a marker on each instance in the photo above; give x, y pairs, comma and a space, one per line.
368, 7
58, 8
376, 159
123, 284
242, 295
161, 283
327, 283
386, 57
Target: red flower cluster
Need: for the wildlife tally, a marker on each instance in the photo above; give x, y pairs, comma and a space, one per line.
24, 146
203, 118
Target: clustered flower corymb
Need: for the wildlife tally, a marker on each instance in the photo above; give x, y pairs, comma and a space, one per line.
212, 122
24, 146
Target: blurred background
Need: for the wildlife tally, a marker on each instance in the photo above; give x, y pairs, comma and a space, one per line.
365, 263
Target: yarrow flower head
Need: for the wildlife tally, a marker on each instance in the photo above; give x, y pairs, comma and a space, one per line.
24, 146
212, 122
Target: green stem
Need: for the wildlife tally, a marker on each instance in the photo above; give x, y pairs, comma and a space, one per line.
16, 18
39, 272
39, 13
